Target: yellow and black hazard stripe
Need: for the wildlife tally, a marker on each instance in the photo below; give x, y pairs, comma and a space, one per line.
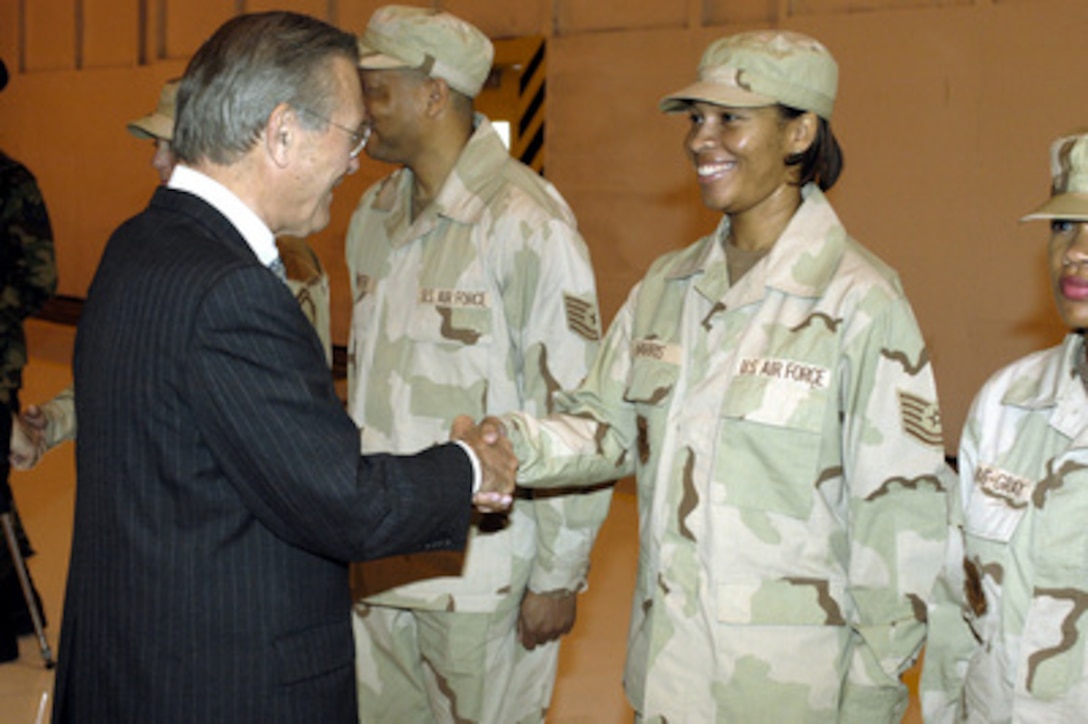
528, 144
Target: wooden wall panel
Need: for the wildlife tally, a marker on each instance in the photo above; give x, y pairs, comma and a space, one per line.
110, 33
579, 16
50, 35
10, 35
352, 15
817, 7
316, 8
188, 23
720, 12
502, 19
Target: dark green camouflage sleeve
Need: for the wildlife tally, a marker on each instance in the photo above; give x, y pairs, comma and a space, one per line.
28, 266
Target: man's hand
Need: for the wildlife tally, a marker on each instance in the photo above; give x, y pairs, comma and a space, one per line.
27, 439
545, 617
498, 463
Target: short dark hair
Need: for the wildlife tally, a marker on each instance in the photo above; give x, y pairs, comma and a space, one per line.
250, 65
822, 162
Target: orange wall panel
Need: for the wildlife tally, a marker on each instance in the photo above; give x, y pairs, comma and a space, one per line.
316, 8
719, 12
50, 27
110, 33
574, 16
188, 23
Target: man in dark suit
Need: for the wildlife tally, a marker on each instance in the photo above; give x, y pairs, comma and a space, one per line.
220, 486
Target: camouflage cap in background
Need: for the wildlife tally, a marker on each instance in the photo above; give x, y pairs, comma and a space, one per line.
159, 124
1069, 180
437, 43
762, 68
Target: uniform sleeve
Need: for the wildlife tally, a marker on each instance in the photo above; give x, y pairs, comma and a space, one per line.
552, 310
587, 437
950, 641
893, 460
28, 236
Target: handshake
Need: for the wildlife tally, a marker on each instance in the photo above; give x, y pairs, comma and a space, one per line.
498, 464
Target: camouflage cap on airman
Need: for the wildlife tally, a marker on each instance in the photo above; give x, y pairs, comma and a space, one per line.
762, 68
158, 125
439, 44
1069, 180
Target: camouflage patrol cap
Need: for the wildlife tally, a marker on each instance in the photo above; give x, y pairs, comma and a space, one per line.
1069, 180
158, 125
437, 43
762, 68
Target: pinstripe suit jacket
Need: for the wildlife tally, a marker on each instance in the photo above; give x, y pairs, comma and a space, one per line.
221, 491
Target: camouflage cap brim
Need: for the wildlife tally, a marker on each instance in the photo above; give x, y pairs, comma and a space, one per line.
711, 92
152, 127
1073, 207
1068, 180
761, 68
380, 61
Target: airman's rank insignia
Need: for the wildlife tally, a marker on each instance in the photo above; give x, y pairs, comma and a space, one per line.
921, 419
582, 317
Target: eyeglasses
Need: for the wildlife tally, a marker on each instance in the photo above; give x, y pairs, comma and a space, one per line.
359, 136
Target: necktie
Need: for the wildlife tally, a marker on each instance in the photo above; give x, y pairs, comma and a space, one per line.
277, 267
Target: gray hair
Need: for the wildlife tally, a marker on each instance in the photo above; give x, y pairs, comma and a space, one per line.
250, 65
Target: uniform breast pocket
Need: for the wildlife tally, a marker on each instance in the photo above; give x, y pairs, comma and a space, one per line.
650, 386
650, 382
451, 327
768, 452
999, 499
451, 358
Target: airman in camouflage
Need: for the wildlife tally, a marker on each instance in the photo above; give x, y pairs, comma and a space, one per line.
28, 274
777, 405
478, 300
1009, 634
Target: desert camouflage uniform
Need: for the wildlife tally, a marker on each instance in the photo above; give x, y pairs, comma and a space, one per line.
27, 268
485, 303
309, 283
1008, 634
787, 446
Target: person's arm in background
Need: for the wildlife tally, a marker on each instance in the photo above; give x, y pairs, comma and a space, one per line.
951, 641
552, 311
590, 436
28, 270
31, 276
896, 478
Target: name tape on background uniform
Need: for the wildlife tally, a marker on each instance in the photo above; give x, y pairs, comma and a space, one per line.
997, 483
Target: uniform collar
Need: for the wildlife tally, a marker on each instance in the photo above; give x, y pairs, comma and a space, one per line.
1056, 385
801, 263
464, 196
